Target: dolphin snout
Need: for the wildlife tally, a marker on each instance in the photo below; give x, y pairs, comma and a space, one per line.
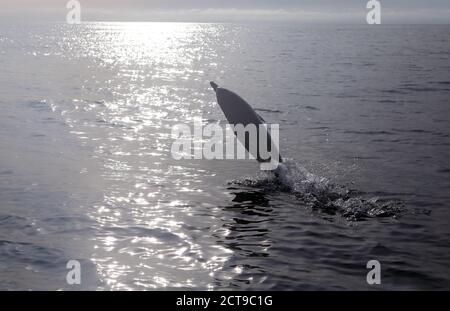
214, 85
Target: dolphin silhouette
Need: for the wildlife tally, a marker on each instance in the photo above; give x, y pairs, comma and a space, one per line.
238, 111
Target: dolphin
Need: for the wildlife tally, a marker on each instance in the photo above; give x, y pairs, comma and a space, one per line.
238, 111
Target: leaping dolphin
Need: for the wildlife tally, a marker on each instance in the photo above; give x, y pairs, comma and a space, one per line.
238, 111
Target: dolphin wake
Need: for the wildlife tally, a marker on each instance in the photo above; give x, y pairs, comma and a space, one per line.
318, 193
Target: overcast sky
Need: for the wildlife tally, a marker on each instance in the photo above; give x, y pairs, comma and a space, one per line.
352, 11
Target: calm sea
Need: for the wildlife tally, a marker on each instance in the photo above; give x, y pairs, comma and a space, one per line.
86, 172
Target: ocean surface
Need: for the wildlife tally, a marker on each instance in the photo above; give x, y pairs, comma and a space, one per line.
86, 170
